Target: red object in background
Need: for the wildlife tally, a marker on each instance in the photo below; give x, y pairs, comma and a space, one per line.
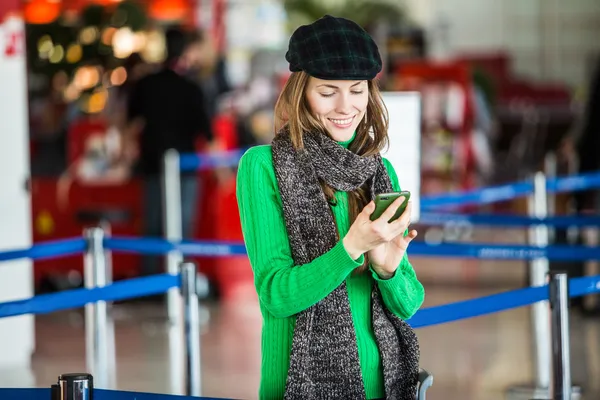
41, 11
169, 10
50, 222
78, 134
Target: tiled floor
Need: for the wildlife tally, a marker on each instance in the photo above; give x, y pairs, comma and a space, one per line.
472, 359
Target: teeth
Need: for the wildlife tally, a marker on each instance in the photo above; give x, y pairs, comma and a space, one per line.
341, 121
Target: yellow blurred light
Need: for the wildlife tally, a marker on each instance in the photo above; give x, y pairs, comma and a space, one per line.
154, 50
45, 44
97, 101
74, 53
118, 76
88, 35
57, 54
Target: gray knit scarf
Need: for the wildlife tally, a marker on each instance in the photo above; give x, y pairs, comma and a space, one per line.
324, 360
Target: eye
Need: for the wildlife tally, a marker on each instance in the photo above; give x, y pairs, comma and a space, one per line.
327, 94
357, 92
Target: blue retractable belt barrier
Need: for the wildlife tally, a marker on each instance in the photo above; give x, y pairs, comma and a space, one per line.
504, 252
507, 220
574, 183
481, 196
127, 289
495, 194
25, 394
47, 250
497, 302
161, 246
195, 162
99, 394
462, 250
477, 307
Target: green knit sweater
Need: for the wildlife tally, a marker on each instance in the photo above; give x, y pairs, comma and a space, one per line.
285, 290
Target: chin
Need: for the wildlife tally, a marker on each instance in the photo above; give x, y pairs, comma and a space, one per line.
341, 135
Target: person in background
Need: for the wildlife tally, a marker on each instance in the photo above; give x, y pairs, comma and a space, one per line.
169, 110
334, 287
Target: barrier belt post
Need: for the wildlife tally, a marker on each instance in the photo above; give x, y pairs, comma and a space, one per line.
192, 329
538, 272
561, 361
78, 386
540, 318
171, 189
99, 354
171, 200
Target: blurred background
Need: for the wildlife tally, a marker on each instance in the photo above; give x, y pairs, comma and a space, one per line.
503, 85
506, 91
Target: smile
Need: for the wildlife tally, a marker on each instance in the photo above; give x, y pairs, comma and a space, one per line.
342, 122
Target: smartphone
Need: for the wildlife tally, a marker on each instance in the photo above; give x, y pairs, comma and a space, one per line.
384, 200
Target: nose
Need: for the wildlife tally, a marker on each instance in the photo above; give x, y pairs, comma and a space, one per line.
344, 105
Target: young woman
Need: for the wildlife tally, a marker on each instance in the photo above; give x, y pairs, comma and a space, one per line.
334, 286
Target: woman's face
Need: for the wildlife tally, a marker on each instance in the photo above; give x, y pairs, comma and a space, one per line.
338, 105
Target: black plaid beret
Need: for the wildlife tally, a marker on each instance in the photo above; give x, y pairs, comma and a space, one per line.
334, 48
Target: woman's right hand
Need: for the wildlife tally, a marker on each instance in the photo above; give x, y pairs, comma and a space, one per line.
365, 235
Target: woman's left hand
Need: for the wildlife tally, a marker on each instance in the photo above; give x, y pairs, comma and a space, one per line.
386, 258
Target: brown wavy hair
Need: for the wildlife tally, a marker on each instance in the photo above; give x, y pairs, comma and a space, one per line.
293, 113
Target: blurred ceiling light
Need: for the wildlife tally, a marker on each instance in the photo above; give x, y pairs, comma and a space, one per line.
86, 77
57, 54
123, 42
118, 76
45, 46
107, 35
88, 35
97, 101
154, 50
140, 40
41, 11
74, 53
168, 10
71, 93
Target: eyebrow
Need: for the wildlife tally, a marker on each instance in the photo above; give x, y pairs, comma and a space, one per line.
335, 87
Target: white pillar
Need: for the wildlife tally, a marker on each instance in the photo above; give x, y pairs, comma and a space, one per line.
16, 277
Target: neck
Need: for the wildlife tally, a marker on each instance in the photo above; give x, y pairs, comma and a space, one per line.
348, 142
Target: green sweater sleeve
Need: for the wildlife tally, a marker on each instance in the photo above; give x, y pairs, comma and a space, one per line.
403, 294
283, 288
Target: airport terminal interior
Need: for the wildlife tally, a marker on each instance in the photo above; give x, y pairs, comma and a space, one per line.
480, 93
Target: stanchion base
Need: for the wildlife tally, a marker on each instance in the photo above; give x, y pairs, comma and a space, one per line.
529, 392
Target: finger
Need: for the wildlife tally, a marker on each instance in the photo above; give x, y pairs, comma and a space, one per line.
404, 221
369, 209
391, 210
404, 241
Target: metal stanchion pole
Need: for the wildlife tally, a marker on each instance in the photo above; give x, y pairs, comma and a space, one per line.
73, 387
538, 271
110, 323
540, 319
171, 190
96, 318
559, 308
192, 329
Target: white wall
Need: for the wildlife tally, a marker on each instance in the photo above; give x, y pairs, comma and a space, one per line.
550, 40
16, 279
